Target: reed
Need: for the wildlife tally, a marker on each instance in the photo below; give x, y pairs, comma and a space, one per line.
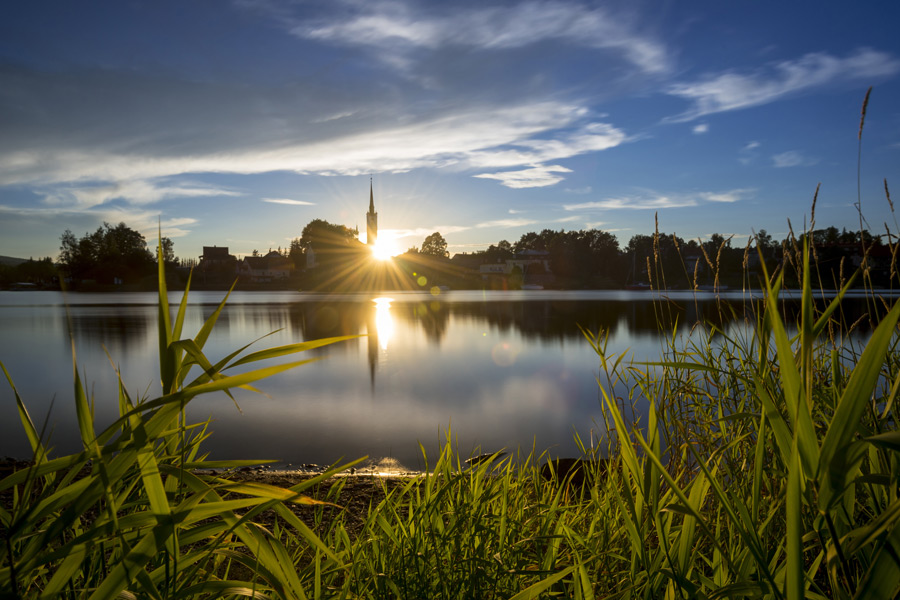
130, 516
758, 462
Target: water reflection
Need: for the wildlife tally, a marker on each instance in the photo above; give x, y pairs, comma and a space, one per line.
546, 320
384, 323
505, 372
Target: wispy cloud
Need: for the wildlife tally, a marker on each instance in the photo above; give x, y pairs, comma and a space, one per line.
397, 29
592, 137
634, 203
580, 191
792, 158
288, 201
539, 176
700, 128
726, 197
142, 220
471, 138
506, 223
655, 201
137, 192
422, 232
749, 153
733, 91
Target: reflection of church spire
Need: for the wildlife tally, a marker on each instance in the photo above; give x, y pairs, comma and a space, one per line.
371, 218
372, 340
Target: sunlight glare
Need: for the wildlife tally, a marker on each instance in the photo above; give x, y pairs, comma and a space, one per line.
384, 323
384, 249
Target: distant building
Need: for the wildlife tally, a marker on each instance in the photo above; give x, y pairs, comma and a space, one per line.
534, 265
216, 256
529, 261
371, 219
217, 266
261, 269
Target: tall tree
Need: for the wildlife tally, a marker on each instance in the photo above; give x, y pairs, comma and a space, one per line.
168, 249
107, 254
435, 245
322, 235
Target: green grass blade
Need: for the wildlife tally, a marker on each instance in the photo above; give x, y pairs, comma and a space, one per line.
883, 576
794, 393
794, 577
535, 590
182, 309
167, 366
289, 349
37, 448
83, 411
851, 406
210, 322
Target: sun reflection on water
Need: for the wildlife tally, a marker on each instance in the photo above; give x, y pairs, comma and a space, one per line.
384, 322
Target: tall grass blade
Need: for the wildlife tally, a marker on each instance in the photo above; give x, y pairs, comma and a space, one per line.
535, 590
835, 468
37, 448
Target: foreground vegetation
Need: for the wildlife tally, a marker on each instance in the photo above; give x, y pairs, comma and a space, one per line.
759, 462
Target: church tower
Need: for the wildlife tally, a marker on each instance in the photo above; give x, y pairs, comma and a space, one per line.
371, 219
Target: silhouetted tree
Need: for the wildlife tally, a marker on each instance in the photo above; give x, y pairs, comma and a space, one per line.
38, 272
295, 253
532, 241
323, 236
435, 245
499, 253
107, 254
168, 248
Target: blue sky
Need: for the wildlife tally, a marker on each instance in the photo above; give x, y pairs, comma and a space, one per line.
236, 123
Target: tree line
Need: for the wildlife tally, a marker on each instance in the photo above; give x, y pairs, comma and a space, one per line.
576, 259
594, 259
111, 255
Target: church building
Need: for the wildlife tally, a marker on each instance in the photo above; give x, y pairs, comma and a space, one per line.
371, 219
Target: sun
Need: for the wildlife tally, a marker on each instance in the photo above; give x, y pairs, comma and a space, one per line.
384, 248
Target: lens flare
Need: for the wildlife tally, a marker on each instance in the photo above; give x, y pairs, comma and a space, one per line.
384, 248
384, 322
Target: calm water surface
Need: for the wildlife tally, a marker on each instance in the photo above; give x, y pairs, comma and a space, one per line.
501, 370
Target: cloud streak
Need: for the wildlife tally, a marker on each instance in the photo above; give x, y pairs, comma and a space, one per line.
480, 137
657, 201
792, 158
137, 192
735, 91
288, 201
398, 29
540, 176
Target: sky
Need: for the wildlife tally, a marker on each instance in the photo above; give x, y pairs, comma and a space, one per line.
235, 123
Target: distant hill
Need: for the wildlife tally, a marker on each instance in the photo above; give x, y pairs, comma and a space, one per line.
12, 261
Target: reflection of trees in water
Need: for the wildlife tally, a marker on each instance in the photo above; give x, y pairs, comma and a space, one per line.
316, 320
432, 317
543, 319
223, 321
562, 319
115, 330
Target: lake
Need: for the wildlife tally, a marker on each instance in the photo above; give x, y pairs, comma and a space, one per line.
498, 369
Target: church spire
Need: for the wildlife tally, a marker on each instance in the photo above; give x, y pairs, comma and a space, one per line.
371, 218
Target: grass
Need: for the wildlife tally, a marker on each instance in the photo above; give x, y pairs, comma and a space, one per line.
767, 465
